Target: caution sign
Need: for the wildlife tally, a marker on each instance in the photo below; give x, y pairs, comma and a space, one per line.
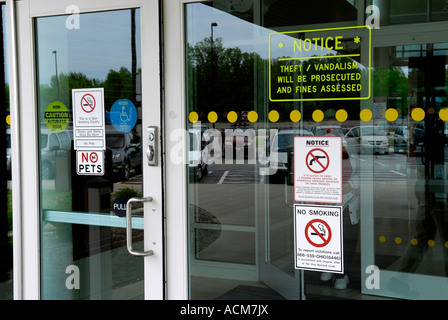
318, 238
89, 131
89, 163
57, 117
318, 169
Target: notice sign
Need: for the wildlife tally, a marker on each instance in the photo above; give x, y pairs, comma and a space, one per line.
89, 131
320, 64
318, 169
318, 238
89, 163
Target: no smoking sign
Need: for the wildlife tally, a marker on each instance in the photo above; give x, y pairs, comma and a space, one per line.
318, 238
89, 163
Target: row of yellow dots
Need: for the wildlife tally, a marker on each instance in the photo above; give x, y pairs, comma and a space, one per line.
414, 241
418, 114
391, 114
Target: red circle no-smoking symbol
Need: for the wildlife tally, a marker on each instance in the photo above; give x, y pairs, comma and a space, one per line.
318, 233
317, 160
88, 103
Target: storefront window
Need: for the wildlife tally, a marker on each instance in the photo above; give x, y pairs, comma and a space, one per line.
414, 11
287, 77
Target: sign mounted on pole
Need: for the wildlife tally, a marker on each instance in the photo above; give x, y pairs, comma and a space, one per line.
89, 131
318, 169
318, 238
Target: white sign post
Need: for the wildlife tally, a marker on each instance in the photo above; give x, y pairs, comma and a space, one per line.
318, 169
318, 238
89, 131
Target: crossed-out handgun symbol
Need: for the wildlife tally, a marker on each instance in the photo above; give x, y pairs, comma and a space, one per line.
316, 158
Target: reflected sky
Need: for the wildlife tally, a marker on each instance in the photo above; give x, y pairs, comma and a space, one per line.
102, 43
234, 31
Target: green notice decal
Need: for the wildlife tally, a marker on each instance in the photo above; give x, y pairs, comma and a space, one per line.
56, 117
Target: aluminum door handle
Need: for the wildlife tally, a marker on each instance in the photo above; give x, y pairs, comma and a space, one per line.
129, 227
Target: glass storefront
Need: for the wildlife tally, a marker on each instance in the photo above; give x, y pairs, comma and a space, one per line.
316, 150
263, 76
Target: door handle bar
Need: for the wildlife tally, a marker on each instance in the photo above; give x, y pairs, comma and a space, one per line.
129, 227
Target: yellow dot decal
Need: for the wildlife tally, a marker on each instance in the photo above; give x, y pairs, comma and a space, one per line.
397, 240
391, 114
193, 117
232, 116
274, 116
318, 115
382, 239
414, 242
443, 114
8, 119
446, 244
365, 115
418, 114
295, 115
341, 115
431, 243
212, 117
252, 116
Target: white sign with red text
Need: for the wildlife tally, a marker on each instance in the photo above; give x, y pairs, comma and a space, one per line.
318, 238
89, 131
318, 169
89, 163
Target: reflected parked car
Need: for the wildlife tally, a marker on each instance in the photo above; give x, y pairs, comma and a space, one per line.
283, 153
198, 154
240, 141
401, 139
320, 131
126, 153
367, 139
51, 145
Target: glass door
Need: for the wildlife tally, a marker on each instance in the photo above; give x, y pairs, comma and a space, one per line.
409, 212
98, 122
248, 98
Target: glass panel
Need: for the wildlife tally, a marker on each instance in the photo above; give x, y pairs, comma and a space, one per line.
6, 288
410, 11
83, 240
223, 67
243, 158
410, 209
241, 175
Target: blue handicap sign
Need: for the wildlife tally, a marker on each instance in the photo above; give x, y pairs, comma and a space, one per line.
123, 115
